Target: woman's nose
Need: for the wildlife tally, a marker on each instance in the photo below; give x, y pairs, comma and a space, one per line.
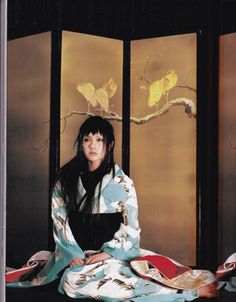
92, 144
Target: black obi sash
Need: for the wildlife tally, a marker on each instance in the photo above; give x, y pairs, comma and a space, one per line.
92, 230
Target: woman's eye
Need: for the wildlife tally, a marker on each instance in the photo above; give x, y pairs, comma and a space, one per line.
85, 139
100, 139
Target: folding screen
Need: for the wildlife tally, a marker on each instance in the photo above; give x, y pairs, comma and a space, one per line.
163, 143
163, 128
28, 116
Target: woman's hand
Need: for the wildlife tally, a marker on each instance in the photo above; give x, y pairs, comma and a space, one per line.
97, 257
77, 261
208, 291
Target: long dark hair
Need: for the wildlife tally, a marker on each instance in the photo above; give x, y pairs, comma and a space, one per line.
70, 172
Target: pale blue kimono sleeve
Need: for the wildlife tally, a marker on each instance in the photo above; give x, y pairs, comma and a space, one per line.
66, 246
125, 242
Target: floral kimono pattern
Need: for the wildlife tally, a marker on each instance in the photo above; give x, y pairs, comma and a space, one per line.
111, 279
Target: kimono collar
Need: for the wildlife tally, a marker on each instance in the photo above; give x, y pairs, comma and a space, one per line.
105, 181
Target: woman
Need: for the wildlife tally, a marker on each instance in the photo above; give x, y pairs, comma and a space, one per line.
96, 229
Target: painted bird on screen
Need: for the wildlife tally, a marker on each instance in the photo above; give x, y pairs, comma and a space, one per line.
100, 96
161, 87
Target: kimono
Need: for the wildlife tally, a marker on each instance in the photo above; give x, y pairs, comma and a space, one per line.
112, 279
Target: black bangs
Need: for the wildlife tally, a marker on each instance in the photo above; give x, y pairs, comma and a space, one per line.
96, 124
93, 130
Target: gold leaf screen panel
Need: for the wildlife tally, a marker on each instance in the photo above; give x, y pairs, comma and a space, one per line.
28, 115
227, 146
163, 143
88, 61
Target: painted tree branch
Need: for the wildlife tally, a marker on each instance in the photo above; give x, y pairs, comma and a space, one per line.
189, 105
186, 87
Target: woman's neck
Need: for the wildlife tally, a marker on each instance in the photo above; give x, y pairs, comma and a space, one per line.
92, 166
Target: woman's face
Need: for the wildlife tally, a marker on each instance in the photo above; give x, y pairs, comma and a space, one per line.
94, 149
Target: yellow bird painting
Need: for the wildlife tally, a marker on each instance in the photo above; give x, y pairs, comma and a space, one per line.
99, 96
169, 81
161, 87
